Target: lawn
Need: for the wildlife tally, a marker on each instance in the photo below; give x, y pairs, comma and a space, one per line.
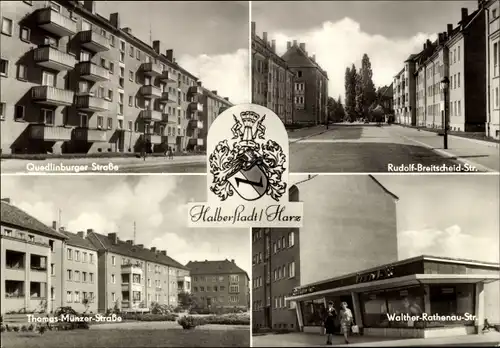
198, 337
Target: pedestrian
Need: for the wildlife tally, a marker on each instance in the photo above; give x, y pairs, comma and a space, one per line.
170, 153
346, 320
330, 323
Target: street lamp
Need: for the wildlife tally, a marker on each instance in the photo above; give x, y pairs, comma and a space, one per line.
445, 84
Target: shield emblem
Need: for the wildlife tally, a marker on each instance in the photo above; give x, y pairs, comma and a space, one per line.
250, 184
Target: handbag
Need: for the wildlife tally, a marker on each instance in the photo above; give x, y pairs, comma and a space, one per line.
355, 329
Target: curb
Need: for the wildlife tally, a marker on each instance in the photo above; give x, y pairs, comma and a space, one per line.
451, 156
307, 136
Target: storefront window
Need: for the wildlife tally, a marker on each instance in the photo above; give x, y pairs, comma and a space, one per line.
313, 312
374, 309
452, 301
404, 303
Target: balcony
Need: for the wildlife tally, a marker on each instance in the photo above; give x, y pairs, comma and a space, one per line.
153, 138
195, 90
92, 72
49, 133
150, 91
93, 41
195, 106
152, 69
194, 141
166, 76
55, 23
93, 104
51, 58
52, 96
167, 118
196, 124
90, 135
151, 115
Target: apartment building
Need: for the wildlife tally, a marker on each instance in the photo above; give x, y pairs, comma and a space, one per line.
132, 277
76, 82
492, 22
459, 55
310, 85
272, 80
213, 106
328, 245
220, 283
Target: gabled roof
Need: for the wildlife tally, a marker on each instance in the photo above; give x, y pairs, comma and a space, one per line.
214, 267
13, 216
75, 240
296, 48
134, 251
387, 91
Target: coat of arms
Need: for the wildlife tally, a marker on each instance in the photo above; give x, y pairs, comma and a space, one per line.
251, 166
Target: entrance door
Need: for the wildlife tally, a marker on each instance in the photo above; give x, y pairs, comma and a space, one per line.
209, 301
121, 141
267, 317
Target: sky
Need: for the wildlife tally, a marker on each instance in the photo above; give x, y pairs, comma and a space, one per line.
445, 215
108, 203
340, 32
209, 38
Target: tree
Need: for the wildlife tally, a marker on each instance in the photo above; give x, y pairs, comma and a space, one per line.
350, 92
368, 87
340, 110
331, 106
359, 102
188, 300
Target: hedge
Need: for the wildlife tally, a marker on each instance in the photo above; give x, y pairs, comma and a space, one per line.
149, 317
42, 157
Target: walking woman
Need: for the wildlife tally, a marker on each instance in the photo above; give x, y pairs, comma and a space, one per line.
346, 320
330, 323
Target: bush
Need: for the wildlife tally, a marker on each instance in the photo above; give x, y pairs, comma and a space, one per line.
15, 328
42, 329
2, 328
149, 317
8, 328
178, 309
31, 327
24, 328
188, 322
225, 320
157, 308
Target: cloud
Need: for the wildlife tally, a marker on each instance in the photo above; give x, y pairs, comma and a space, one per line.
338, 45
451, 242
225, 73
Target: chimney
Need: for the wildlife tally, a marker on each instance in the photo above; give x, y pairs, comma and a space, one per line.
54, 225
170, 55
89, 6
264, 37
425, 46
302, 46
153, 249
214, 92
440, 38
6, 200
465, 13
449, 28
295, 42
156, 46
90, 230
226, 98
273, 45
445, 35
198, 83
114, 18
113, 237
61, 229
127, 30
82, 234
253, 29
232, 260
163, 252
130, 241
288, 45
313, 57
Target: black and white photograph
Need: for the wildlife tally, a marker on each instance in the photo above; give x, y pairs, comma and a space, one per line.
381, 86
118, 86
107, 261
381, 260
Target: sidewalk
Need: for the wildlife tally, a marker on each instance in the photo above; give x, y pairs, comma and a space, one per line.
483, 155
303, 133
21, 166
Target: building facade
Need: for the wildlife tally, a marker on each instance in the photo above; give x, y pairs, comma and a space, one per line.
310, 85
492, 23
213, 105
285, 259
75, 82
272, 80
459, 55
219, 284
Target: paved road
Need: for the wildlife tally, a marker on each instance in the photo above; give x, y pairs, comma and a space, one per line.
368, 148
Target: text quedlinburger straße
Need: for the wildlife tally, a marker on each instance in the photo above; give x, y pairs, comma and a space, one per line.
434, 168
71, 168
73, 318
430, 317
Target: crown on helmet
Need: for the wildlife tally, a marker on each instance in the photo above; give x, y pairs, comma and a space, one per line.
249, 116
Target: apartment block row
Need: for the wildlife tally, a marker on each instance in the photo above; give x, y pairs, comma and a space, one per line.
76, 82
339, 258
43, 268
293, 85
464, 63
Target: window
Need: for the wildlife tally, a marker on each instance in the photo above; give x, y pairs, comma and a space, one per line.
234, 289
51, 41
291, 269
70, 254
77, 255
68, 296
131, 51
458, 53
130, 100
131, 75
497, 100
112, 40
122, 57
77, 276
48, 79
113, 279
110, 95
69, 274
22, 72
113, 260
52, 269
4, 67
84, 120
100, 122
459, 109
6, 26
495, 54
84, 257
84, 56
24, 34
458, 82
110, 123
291, 239
494, 13
138, 55
19, 113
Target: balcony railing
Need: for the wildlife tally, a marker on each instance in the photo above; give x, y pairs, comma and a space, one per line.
195, 90
151, 115
153, 138
52, 96
196, 124
167, 118
195, 106
150, 91
152, 69
90, 135
51, 58
164, 98
48, 133
93, 41
93, 104
55, 23
166, 76
93, 72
